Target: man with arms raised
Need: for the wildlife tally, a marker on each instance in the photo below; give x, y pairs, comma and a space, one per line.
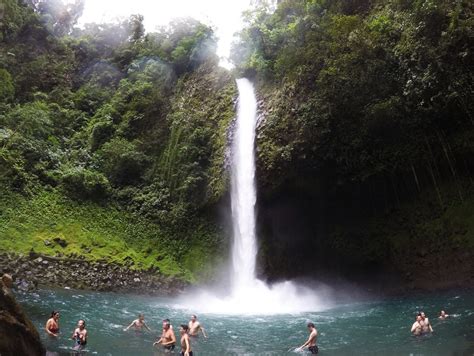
138, 324
311, 343
195, 327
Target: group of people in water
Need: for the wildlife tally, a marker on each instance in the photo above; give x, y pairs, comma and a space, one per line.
422, 325
79, 334
167, 339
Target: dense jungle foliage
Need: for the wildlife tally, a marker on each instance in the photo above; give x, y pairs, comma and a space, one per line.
365, 141
111, 117
367, 119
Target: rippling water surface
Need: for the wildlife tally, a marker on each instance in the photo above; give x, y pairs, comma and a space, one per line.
362, 328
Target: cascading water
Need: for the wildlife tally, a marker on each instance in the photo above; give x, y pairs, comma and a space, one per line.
243, 192
249, 295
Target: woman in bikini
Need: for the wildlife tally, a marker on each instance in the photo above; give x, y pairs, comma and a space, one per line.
52, 325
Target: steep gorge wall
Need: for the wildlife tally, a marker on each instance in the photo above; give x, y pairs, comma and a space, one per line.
391, 230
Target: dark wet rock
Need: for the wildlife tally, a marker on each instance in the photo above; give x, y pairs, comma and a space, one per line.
61, 242
82, 274
18, 336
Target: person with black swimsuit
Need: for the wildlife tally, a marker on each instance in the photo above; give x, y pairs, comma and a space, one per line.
311, 343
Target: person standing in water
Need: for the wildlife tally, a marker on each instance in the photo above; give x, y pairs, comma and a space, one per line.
52, 325
80, 335
138, 324
185, 341
426, 324
167, 339
417, 327
443, 315
311, 343
194, 327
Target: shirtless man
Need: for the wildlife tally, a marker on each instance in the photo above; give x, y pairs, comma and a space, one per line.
417, 327
426, 324
52, 325
311, 343
443, 315
138, 324
195, 327
185, 342
80, 335
167, 339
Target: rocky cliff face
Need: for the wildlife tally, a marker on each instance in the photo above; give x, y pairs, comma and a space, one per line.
320, 234
18, 336
33, 270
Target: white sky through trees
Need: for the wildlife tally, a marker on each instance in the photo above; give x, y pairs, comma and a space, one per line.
223, 15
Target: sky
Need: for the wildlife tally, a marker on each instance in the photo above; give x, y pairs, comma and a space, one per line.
223, 15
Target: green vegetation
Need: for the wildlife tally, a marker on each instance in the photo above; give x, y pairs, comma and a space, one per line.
111, 138
363, 89
100, 233
368, 109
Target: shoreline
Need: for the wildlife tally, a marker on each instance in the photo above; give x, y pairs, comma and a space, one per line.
35, 270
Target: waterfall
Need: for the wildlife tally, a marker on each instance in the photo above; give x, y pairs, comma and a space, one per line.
249, 295
243, 191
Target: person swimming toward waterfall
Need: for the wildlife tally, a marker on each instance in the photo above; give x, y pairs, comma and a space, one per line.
311, 342
195, 327
443, 315
138, 324
52, 325
167, 339
80, 335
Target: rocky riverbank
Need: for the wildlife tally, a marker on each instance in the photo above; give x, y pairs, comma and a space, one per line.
35, 270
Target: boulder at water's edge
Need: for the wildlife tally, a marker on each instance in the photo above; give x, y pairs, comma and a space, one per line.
18, 335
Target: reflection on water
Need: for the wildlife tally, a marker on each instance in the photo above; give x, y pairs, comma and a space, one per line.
364, 328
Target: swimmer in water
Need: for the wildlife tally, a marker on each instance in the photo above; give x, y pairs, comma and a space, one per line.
52, 325
443, 315
311, 343
417, 327
138, 324
80, 335
426, 324
167, 339
194, 327
185, 342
